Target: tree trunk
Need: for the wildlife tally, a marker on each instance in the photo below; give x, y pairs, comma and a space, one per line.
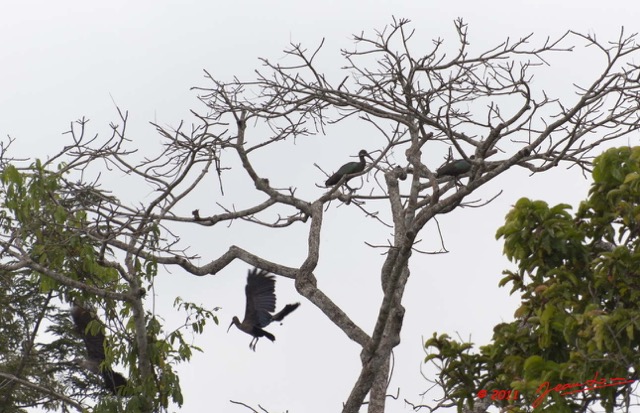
378, 393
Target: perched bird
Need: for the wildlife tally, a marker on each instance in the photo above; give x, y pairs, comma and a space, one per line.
94, 344
348, 169
261, 302
454, 168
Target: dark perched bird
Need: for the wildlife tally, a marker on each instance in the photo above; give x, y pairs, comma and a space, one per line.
454, 168
349, 168
261, 302
94, 344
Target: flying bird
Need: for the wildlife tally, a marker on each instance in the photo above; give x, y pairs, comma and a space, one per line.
94, 344
261, 303
348, 169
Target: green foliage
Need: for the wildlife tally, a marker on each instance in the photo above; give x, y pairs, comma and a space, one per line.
50, 227
50, 223
613, 204
464, 369
579, 282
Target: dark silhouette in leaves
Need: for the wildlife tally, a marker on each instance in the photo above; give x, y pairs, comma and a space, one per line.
94, 344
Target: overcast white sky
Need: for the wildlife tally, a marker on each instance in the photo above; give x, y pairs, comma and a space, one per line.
60, 61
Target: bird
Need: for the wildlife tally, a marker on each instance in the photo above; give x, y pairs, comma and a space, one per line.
454, 168
94, 344
348, 169
261, 303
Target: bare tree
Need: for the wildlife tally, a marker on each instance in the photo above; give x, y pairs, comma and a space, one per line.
483, 107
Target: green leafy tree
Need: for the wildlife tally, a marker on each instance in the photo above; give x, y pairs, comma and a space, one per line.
55, 262
578, 277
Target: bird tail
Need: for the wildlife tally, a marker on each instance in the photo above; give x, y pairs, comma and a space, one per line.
269, 335
288, 309
113, 380
334, 179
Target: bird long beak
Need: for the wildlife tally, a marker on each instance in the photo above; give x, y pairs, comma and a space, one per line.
368, 156
229, 327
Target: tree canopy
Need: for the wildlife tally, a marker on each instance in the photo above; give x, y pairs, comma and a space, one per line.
578, 279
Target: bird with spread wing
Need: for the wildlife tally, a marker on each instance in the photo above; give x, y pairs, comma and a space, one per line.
261, 303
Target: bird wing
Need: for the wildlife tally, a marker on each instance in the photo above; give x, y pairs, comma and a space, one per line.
350, 168
454, 168
94, 343
346, 169
261, 298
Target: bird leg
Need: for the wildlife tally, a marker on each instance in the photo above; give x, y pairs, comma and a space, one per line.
252, 344
458, 181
